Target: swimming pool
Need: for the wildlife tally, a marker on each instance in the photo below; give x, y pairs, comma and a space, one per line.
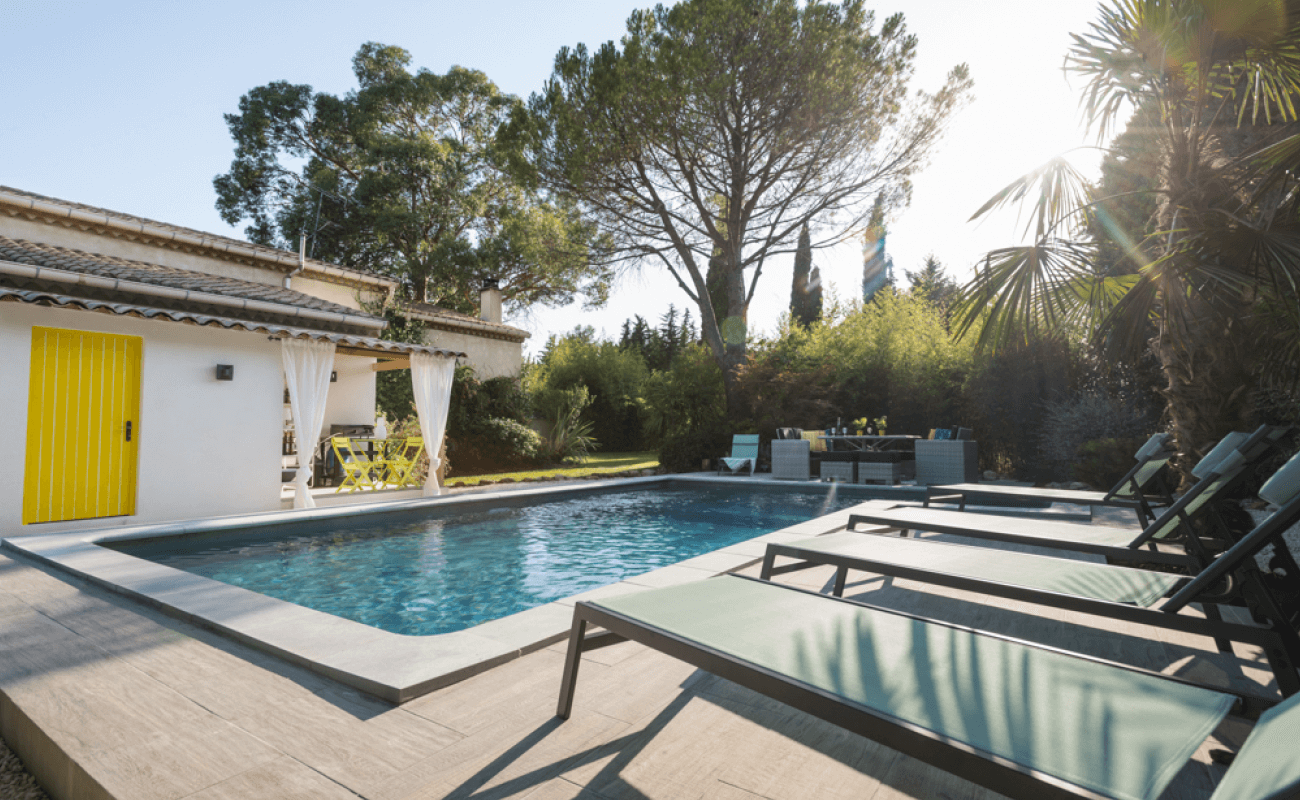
438, 571
399, 667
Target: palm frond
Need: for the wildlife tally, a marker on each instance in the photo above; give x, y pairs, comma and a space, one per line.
1027, 291
1061, 195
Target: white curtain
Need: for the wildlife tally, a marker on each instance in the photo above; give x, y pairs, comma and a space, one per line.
307, 368
431, 378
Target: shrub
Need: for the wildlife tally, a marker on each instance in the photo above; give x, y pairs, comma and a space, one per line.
1085, 417
570, 438
686, 410
1102, 462
614, 378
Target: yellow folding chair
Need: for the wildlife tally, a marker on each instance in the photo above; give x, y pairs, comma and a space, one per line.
402, 458
357, 467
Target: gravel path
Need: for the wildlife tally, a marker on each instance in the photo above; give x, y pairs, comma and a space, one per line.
16, 783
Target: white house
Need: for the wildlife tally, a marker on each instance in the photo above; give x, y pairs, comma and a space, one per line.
142, 371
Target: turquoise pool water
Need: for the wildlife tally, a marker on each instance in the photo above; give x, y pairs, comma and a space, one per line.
422, 573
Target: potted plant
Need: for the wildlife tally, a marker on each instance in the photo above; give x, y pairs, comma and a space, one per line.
860, 425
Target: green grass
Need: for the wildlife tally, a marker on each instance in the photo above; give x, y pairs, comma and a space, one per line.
597, 464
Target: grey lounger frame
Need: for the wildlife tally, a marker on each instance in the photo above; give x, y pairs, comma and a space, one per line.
1279, 639
1138, 498
1195, 551
956, 757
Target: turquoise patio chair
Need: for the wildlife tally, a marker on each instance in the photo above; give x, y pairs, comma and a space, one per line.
744, 452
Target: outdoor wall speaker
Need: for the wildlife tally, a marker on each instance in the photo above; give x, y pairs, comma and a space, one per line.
225, 372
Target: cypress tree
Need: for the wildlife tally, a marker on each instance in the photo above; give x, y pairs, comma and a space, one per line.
802, 309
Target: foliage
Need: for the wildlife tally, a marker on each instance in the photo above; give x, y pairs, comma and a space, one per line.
658, 346
891, 356
1217, 269
570, 439
596, 464
1102, 462
405, 176
932, 284
1006, 397
486, 424
394, 395
1091, 415
613, 376
805, 296
685, 407
721, 127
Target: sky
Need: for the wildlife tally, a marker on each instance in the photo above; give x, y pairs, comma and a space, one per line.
120, 105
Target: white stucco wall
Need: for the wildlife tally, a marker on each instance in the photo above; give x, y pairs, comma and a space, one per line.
351, 399
207, 447
333, 292
490, 358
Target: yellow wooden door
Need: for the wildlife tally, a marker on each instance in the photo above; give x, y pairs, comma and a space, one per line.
83, 425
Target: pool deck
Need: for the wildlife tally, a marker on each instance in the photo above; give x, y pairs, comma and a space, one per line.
103, 698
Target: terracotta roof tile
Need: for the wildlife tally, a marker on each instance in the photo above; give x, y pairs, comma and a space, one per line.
63, 258
271, 253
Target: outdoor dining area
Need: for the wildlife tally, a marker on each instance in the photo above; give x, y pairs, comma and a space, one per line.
357, 463
946, 456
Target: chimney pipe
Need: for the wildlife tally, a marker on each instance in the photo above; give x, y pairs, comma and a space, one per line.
490, 301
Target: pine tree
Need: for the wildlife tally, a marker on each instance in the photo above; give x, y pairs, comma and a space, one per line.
932, 284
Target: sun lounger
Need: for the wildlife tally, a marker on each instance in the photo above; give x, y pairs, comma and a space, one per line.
1021, 719
1133, 595
1142, 489
1179, 546
744, 453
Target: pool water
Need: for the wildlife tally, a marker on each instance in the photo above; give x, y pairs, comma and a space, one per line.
435, 572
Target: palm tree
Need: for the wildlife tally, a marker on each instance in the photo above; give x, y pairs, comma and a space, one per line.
1212, 288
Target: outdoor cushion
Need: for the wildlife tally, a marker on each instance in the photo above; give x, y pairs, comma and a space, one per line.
1226, 445
1062, 575
1284, 484
1117, 732
1154, 445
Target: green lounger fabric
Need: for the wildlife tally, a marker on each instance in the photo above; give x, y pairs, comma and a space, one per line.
1267, 767
1026, 528
1066, 576
1113, 731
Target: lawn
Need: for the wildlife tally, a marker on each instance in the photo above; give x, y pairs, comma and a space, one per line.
596, 464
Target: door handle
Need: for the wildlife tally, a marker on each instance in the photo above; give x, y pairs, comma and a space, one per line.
128, 430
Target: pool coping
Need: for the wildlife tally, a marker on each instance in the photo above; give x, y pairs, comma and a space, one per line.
392, 666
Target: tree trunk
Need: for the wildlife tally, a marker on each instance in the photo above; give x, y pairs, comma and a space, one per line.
1210, 385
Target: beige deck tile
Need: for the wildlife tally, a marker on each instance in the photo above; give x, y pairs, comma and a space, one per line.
607, 656
561, 789
725, 791
126, 731
358, 754
471, 705
910, 779
283, 779
546, 752
638, 687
